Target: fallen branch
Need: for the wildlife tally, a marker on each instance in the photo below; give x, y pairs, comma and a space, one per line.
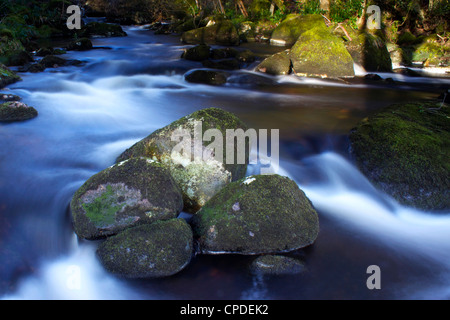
345, 31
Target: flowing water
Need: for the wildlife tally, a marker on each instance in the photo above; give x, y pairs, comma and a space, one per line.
129, 87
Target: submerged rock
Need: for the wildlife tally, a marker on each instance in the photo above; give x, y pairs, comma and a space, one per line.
201, 179
209, 77
257, 215
16, 111
318, 53
221, 33
157, 250
404, 150
290, 29
133, 192
277, 265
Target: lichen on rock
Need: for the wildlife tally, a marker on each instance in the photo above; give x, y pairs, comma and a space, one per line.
130, 193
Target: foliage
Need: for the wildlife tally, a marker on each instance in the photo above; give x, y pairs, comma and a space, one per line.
346, 10
310, 7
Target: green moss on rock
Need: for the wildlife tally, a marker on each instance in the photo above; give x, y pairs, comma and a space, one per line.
277, 64
257, 215
370, 52
318, 53
221, 33
404, 150
133, 192
16, 111
157, 250
290, 29
199, 180
7, 76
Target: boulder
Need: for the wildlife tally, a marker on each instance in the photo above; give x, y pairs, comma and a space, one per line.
318, 53
157, 250
16, 111
404, 150
209, 77
290, 29
130, 193
103, 30
277, 64
263, 214
7, 76
199, 179
370, 52
198, 53
221, 33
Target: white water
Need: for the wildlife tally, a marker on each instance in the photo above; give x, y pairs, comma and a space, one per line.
89, 116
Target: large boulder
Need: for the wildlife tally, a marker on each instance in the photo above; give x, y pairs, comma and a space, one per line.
290, 29
209, 77
221, 33
100, 29
199, 179
370, 52
16, 111
157, 250
257, 215
130, 193
198, 53
319, 53
404, 150
277, 64
7, 76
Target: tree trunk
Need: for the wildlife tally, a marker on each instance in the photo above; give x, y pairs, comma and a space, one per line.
362, 22
325, 5
222, 10
242, 8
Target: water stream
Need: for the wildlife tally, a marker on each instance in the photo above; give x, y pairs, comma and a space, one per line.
129, 87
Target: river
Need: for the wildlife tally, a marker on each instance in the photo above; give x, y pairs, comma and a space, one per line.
129, 87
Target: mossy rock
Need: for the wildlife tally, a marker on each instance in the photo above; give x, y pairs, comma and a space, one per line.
13, 53
103, 30
224, 53
16, 111
157, 250
7, 76
276, 265
221, 33
290, 29
198, 53
263, 214
318, 53
51, 61
429, 53
200, 179
370, 52
208, 77
277, 64
82, 44
404, 150
130, 193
